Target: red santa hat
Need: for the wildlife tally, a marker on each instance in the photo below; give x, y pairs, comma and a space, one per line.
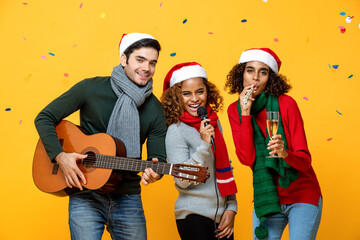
182, 72
128, 39
264, 55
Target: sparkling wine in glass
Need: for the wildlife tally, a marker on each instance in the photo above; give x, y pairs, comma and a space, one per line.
272, 124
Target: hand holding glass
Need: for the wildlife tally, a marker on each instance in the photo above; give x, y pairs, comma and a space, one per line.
272, 123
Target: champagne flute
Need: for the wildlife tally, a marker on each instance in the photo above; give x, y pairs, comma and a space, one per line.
272, 123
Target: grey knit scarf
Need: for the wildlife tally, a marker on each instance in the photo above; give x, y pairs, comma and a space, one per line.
124, 122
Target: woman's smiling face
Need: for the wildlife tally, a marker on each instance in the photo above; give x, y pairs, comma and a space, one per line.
194, 95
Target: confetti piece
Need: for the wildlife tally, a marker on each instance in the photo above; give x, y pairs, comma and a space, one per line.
75, 45
27, 77
306, 98
264, 0
20, 122
51, 54
342, 13
103, 15
329, 139
24, 38
210, 33
350, 76
276, 40
8, 109
66, 74
25, 3
244, 20
185, 20
342, 29
335, 66
338, 112
172, 54
81, 5
44, 57
329, 66
348, 19
160, 4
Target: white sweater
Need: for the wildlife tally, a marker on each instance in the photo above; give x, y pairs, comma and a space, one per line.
184, 145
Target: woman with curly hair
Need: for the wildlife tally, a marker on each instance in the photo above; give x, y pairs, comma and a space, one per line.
206, 210
286, 189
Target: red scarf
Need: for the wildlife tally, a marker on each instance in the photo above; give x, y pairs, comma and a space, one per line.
224, 175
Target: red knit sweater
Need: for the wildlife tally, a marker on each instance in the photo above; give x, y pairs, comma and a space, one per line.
306, 188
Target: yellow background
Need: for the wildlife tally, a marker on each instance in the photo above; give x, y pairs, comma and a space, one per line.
85, 43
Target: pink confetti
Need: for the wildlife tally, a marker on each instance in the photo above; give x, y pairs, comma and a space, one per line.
306, 98
342, 29
24, 38
160, 4
75, 45
329, 139
66, 74
81, 5
210, 33
276, 40
20, 122
25, 3
44, 57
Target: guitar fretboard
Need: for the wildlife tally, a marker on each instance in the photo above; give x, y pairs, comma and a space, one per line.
135, 165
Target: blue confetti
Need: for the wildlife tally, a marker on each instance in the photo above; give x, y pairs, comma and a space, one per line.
329, 66
338, 112
335, 66
172, 54
244, 20
342, 13
185, 20
8, 109
51, 54
351, 76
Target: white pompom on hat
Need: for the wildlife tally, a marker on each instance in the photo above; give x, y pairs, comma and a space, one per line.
264, 55
183, 71
128, 39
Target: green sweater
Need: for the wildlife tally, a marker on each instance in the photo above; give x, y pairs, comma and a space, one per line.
95, 99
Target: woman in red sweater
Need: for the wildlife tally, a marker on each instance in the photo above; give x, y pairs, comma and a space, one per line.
286, 190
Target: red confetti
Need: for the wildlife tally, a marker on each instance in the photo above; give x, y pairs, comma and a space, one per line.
276, 39
210, 33
342, 29
329, 139
25, 3
66, 74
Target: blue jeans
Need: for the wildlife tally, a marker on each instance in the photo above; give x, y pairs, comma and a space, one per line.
89, 212
303, 218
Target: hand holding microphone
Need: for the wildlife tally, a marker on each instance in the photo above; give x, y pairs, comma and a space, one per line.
202, 113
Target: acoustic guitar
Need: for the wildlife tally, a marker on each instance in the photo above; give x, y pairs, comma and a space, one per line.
103, 167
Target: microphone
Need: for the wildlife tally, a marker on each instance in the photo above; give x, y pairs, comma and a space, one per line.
202, 113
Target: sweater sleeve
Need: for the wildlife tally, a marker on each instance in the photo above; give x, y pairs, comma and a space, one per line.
242, 133
53, 113
231, 203
177, 151
299, 156
155, 144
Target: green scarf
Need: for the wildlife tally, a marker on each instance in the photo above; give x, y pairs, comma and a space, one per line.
266, 200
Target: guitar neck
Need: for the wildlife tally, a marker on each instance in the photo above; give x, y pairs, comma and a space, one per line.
131, 164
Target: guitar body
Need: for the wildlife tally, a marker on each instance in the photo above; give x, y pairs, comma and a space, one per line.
48, 176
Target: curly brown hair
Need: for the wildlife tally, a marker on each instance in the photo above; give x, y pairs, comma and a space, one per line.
276, 85
174, 107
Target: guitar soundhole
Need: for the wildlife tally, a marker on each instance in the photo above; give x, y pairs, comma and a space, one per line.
90, 160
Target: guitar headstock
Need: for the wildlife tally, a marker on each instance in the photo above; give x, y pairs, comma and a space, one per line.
194, 173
